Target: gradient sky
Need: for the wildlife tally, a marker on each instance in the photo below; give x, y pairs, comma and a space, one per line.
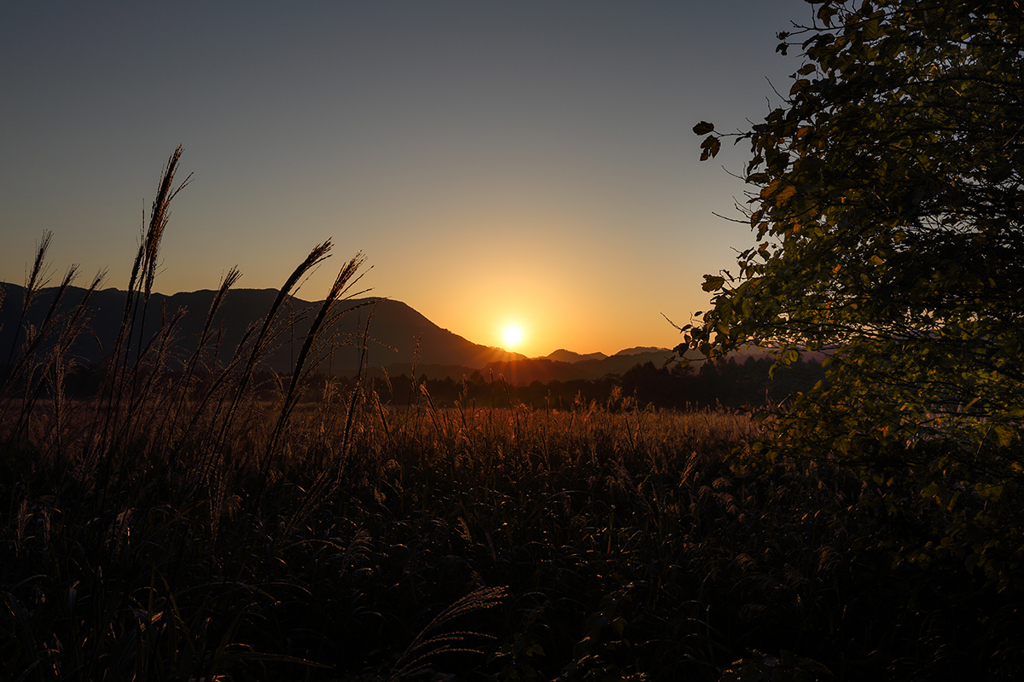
496, 162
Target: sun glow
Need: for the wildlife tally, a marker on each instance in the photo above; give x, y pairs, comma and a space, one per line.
512, 335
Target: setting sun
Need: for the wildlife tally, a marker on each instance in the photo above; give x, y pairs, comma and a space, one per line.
513, 336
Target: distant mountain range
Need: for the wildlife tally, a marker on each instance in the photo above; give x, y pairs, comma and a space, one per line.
562, 355
399, 340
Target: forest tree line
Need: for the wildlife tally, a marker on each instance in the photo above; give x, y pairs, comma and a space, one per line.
725, 383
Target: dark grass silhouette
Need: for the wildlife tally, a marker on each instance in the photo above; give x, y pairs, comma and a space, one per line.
192, 519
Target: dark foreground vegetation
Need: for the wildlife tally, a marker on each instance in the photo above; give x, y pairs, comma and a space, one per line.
707, 384
191, 520
369, 543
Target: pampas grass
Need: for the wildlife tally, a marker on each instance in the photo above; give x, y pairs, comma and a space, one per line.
195, 519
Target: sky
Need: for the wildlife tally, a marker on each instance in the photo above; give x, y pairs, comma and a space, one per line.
527, 163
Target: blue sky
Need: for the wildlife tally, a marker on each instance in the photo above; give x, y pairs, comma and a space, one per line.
496, 162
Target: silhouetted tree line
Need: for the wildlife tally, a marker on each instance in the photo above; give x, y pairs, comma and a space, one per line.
723, 383
708, 384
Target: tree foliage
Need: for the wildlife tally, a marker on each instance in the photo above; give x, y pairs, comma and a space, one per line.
889, 215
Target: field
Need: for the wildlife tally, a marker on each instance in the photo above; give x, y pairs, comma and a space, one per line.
185, 519
362, 542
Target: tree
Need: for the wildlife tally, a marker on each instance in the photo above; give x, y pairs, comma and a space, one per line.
889, 215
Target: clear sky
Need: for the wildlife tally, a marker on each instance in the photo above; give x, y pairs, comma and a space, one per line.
528, 162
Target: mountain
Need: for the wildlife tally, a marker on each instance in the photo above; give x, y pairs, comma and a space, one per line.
397, 333
643, 350
620, 363
399, 340
562, 355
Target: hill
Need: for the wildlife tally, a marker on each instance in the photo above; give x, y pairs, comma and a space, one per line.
399, 339
562, 355
397, 333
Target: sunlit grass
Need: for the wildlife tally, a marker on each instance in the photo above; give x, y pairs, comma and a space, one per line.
197, 521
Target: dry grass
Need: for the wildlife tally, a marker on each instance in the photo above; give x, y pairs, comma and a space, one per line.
195, 521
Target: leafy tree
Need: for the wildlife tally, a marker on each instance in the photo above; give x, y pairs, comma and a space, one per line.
889, 215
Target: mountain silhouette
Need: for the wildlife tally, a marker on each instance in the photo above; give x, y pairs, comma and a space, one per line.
393, 336
643, 350
562, 355
397, 333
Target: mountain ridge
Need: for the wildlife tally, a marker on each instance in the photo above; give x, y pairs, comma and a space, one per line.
400, 338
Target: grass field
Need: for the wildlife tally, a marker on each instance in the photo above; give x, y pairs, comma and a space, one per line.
198, 521
373, 543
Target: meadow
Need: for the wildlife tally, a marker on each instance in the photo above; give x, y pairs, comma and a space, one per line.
189, 532
196, 520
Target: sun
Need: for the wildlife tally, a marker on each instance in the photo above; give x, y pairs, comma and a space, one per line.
513, 336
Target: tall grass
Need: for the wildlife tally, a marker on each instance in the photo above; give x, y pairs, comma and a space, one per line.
125, 487
196, 520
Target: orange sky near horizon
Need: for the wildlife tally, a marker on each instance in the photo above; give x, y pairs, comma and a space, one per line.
529, 163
